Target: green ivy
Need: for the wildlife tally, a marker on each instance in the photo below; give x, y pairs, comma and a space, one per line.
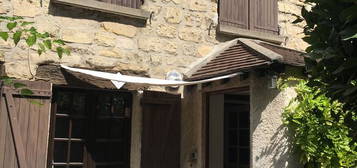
320, 127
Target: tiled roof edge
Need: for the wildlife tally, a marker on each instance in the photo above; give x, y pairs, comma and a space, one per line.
262, 50
218, 49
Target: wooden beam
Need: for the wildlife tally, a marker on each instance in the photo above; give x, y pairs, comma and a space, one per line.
107, 8
235, 31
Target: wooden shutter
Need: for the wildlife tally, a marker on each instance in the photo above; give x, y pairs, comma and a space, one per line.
24, 126
161, 130
265, 16
234, 13
255, 15
126, 3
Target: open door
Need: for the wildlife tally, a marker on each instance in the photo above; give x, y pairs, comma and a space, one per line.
161, 130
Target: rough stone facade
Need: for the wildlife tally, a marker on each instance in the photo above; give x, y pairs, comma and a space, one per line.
176, 36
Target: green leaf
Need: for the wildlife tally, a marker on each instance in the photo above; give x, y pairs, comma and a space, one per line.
26, 23
11, 25
35, 102
4, 35
26, 92
17, 36
67, 51
41, 46
19, 85
48, 44
60, 51
31, 40
39, 51
61, 42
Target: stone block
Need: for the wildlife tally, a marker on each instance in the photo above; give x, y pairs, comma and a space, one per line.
173, 15
190, 34
197, 5
99, 62
150, 44
126, 43
104, 39
78, 36
25, 8
166, 30
120, 29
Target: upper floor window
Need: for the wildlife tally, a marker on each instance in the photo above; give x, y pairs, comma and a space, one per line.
259, 16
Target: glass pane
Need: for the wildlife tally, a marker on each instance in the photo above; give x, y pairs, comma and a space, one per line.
244, 119
233, 138
232, 155
78, 128
78, 107
105, 106
102, 129
76, 154
232, 119
244, 137
119, 107
62, 126
117, 129
64, 101
60, 152
244, 156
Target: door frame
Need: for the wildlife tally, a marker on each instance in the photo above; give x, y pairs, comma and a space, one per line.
205, 118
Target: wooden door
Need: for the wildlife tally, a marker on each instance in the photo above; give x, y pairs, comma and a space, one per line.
24, 126
161, 130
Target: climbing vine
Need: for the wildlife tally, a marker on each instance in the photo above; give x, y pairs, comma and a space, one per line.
16, 30
321, 128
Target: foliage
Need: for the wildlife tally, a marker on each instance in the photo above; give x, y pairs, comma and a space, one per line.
320, 128
18, 29
331, 31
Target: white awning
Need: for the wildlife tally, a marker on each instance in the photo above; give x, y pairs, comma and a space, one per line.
119, 80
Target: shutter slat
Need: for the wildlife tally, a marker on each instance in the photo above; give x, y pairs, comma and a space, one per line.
126, 3
266, 16
234, 13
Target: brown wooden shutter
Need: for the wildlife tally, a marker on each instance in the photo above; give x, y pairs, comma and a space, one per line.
161, 130
265, 16
126, 3
255, 15
234, 13
24, 126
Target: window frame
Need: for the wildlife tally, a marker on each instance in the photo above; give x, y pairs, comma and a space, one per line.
139, 14
92, 116
248, 32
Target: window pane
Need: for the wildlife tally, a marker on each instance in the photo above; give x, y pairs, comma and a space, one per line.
62, 126
233, 138
105, 106
64, 101
232, 155
78, 107
76, 154
244, 156
244, 137
78, 128
117, 129
60, 152
119, 107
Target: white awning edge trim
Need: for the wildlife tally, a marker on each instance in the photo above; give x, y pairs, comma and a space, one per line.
145, 80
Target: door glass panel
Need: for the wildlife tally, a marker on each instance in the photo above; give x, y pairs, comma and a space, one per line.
60, 150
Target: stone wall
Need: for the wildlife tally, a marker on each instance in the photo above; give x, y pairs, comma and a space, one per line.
176, 36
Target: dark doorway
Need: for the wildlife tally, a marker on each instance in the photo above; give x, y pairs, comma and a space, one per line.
228, 130
90, 129
161, 130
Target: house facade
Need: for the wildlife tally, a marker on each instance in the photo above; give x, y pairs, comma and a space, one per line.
85, 122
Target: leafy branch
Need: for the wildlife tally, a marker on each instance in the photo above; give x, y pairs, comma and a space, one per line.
17, 29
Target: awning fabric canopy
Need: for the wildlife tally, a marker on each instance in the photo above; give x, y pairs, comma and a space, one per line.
119, 80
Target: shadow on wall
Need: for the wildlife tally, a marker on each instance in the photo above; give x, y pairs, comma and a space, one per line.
280, 147
80, 13
272, 139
